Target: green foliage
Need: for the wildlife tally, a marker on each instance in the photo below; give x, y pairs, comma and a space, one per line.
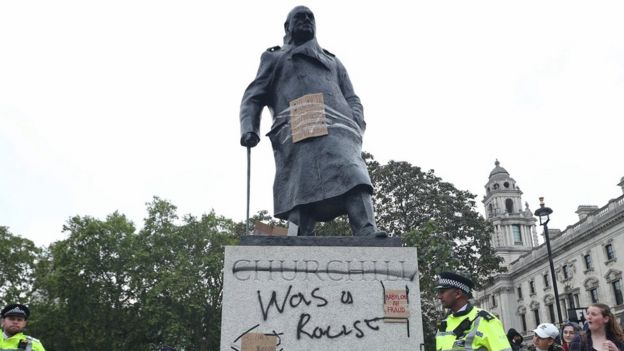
182, 285
111, 287
338, 227
438, 219
83, 284
107, 287
17, 261
408, 199
435, 254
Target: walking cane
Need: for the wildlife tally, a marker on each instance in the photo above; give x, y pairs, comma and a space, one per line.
248, 186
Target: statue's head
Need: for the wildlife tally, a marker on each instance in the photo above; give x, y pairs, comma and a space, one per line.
299, 26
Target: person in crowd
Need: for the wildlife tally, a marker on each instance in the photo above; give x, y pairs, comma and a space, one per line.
603, 331
568, 332
515, 340
14, 318
544, 337
466, 327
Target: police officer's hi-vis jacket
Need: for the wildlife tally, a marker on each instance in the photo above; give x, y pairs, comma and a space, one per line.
471, 329
20, 342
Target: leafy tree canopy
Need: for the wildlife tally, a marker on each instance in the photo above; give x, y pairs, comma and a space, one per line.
17, 260
109, 286
438, 219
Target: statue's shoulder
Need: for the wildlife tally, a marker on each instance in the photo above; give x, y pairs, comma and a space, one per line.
328, 53
274, 48
271, 55
273, 52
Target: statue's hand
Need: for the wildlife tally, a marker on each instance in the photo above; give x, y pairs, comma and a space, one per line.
249, 139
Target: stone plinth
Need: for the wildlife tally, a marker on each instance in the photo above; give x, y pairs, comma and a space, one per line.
321, 298
267, 240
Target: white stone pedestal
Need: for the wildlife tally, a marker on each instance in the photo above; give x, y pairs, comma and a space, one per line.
322, 298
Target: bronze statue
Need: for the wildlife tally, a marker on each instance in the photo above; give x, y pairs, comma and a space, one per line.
317, 130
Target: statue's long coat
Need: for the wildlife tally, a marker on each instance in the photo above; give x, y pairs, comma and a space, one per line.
316, 169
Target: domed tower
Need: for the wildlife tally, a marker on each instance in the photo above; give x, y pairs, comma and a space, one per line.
514, 227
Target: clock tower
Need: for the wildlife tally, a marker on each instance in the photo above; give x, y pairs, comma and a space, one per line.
514, 227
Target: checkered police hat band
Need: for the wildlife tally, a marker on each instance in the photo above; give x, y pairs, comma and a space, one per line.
454, 283
16, 310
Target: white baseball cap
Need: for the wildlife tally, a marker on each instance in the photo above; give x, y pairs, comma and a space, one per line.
546, 330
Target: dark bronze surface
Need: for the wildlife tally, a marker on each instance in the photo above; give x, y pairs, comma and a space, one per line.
361, 241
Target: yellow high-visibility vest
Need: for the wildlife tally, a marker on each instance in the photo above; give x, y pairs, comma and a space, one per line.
13, 342
482, 331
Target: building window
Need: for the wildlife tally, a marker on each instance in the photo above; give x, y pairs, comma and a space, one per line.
551, 312
588, 262
520, 293
546, 283
517, 235
566, 273
523, 319
593, 293
576, 301
532, 287
609, 251
617, 291
536, 316
573, 300
509, 205
493, 300
564, 306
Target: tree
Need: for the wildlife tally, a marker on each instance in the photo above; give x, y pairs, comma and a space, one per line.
109, 287
338, 227
17, 260
181, 288
84, 296
438, 219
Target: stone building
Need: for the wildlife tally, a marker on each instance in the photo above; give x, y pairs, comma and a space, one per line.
588, 257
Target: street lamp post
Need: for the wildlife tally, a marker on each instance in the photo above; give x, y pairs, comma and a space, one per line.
544, 217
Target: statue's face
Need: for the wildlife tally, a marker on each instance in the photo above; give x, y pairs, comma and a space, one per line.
301, 24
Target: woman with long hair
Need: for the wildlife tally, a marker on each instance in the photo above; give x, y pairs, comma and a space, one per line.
603, 333
569, 331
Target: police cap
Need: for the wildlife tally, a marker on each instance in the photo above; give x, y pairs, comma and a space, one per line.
15, 309
450, 280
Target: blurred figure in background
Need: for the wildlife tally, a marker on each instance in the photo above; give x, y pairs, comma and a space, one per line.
515, 340
568, 332
544, 338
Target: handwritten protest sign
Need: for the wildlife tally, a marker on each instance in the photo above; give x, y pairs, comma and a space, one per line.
396, 306
258, 342
307, 117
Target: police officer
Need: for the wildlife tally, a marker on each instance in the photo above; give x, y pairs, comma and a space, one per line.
467, 327
14, 318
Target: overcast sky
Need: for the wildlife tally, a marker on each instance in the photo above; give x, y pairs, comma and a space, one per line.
104, 104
